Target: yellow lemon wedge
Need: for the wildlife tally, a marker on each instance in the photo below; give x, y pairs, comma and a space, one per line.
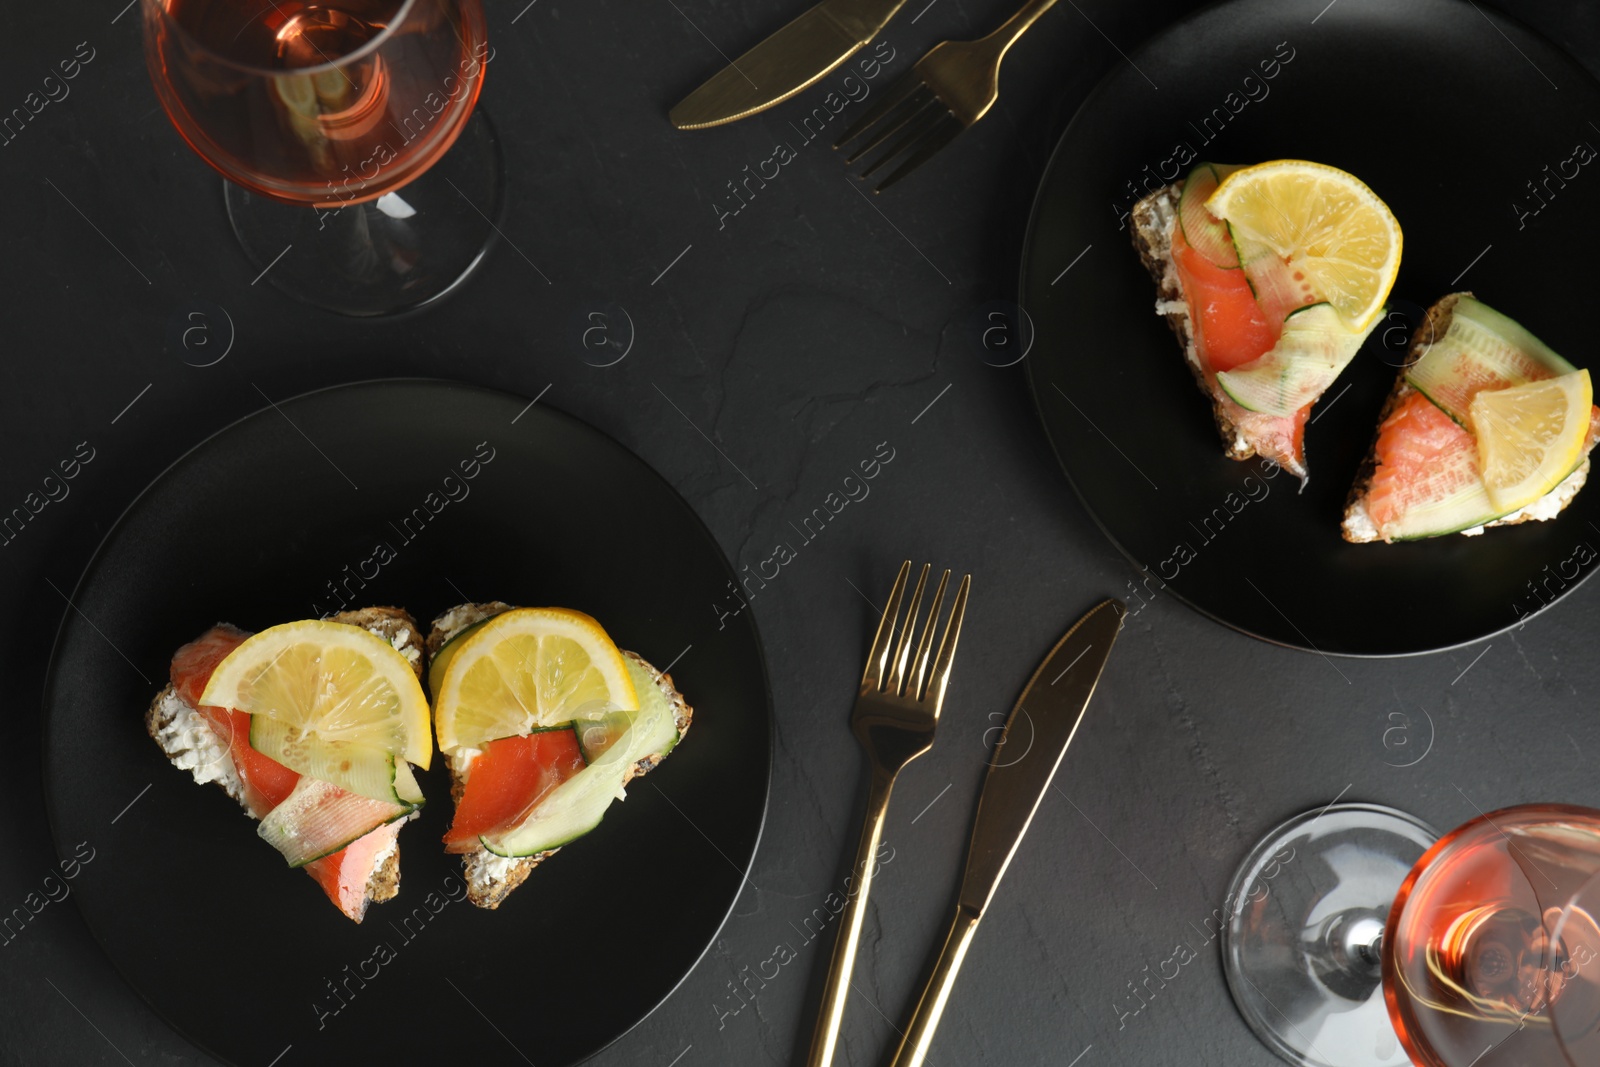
527, 669
331, 701
1530, 436
1338, 241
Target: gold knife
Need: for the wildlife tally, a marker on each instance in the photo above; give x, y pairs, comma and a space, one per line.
1052, 705
796, 56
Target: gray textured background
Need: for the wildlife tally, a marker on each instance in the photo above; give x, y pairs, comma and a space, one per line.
808, 330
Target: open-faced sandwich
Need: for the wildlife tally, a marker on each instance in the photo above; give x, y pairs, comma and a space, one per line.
542, 722
312, 727
1271, 276
1486, 426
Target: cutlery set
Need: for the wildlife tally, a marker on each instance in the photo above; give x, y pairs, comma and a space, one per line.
903, 686
896, 713
950, 88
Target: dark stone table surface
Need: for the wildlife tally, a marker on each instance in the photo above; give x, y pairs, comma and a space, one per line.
798, 335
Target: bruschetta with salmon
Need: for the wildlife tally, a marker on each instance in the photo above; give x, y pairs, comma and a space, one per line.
1271, 276
1486, 426
312, 727
542, 722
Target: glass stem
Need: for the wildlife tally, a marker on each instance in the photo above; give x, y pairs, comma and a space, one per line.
1368, 937
1354, 942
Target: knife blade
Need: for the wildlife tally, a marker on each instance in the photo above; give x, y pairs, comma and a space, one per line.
1044, 719
782, 65
1052, 705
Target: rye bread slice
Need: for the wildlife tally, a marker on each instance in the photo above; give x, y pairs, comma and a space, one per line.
192, 745
491, 878
1357, 526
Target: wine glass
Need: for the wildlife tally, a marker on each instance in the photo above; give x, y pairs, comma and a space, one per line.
1354, 936
334, 124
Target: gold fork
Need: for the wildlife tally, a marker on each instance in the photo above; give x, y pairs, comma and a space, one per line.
949, 89
894, 719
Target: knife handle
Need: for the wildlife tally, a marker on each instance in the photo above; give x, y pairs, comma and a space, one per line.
825, 1038
919, 1033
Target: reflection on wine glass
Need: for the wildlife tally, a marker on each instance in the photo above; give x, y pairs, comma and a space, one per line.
333, 123
1382, 946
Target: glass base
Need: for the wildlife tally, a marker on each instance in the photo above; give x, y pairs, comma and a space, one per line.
1303, 931
401, 251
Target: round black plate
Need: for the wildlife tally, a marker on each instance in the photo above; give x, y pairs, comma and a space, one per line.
1448, 111
258, 525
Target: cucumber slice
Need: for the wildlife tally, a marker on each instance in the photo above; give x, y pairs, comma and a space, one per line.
611, 744
595, 736
406, 788
1204, 232
1481, 349
1314, 348
441, 659
360, 769
1272, 278
318, 819
656, 729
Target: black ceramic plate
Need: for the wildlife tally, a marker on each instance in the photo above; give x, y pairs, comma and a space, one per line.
1448, 111
247, 957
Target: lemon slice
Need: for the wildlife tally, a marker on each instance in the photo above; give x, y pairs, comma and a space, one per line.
1339, 242
1531, 436
525, 669
331, 701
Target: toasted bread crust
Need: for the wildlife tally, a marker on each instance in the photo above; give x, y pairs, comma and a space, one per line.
394, 625
458, 618
1152, 221
384, 884
491, 878
155, 716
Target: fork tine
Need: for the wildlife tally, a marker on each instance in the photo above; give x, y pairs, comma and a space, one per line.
914, 132
908, 83
872, 677
934, 140
897, 676
947, 647
925, 646
904, 112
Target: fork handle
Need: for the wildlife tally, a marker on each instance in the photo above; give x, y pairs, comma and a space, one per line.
825, 1038
1014, 27
930, 1006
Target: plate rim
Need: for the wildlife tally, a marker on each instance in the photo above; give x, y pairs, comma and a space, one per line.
95, 558
1030, 375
